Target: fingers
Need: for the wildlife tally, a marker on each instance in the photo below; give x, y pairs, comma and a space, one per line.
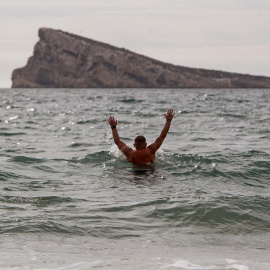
112, 121
170, 112
111, 118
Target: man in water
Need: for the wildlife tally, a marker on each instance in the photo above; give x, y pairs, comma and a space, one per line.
142, 154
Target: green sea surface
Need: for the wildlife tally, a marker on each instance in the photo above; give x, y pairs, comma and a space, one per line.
70, 200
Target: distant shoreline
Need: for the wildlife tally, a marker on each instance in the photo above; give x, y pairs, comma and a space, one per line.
64, 60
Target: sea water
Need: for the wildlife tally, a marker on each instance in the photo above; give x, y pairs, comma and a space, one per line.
70, 200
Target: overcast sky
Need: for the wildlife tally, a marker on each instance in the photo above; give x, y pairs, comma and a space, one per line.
229, 35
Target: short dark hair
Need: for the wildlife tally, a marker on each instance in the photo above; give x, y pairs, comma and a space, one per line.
140, 139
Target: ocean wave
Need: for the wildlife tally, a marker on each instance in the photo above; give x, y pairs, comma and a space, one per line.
8, 134
234, 215
39, 201
94, 158
33, 226
26, 160
224, 216
130, 100
7, 175
80, 144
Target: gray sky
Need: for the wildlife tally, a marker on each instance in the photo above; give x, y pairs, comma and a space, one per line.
229, 35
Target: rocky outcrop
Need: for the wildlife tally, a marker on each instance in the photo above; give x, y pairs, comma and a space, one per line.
63, 60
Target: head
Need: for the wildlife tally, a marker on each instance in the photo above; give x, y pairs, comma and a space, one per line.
140, 142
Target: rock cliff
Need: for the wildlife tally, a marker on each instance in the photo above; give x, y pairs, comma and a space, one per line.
63, 60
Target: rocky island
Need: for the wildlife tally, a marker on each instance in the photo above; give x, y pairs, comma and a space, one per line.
64, 60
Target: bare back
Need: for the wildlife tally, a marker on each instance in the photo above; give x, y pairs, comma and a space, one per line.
141, 157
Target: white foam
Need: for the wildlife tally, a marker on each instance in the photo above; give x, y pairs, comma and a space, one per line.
233, 264
185, 264
116, 152
239, 267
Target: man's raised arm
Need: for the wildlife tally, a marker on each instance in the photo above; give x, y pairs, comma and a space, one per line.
121, 145
169, 116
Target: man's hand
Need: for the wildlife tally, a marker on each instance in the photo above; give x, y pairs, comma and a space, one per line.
155, 146
112, 121
169, 116
121, 145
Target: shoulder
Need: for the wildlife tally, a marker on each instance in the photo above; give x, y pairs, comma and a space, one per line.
155, 146
126, 150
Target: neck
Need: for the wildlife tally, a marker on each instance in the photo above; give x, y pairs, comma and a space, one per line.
139, 148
